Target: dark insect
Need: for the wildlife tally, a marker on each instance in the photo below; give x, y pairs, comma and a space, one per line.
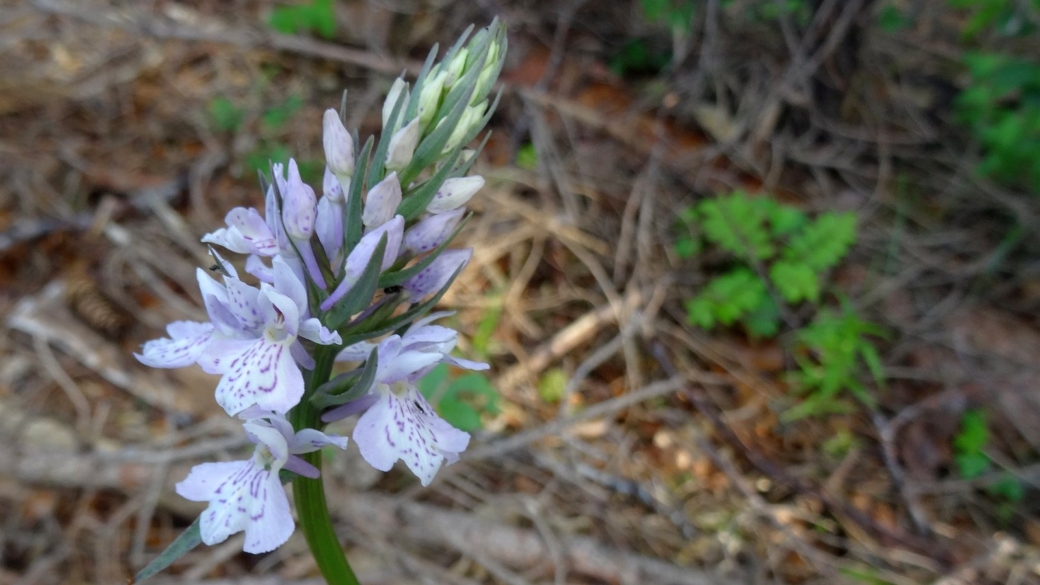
390, 290
216, 268
92, 306
419, 406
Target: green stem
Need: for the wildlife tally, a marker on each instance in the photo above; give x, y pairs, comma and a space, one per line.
309, 494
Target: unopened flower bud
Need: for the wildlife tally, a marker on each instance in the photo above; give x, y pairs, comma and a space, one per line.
339, 146
430, 97
299, 205
361, 255
484, 82
436, 275
382, 202
456, 67
392, 96
454, 193
432, 231
329, 227
402, 146
331, 187
470, 118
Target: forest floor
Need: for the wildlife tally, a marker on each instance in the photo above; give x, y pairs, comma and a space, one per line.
626, 445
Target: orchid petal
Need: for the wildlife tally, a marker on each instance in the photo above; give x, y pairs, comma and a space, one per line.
382, 201
432, 231
187, 341
407, 428
433, 278
257, 372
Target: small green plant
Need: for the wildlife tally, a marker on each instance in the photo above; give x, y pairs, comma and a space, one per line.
1001, 107
833, 354
461, 401
972, 462
969, 443
225, 115
1005, 17
527, 157
677, 14
776, 247
765, 238
276, 116
891, 19
316, 15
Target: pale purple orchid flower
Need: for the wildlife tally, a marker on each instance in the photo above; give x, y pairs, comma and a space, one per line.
246, 233
262, 365
360, 256
398, 422
248, 495
433, 278
189, 339
432, 231
455, 193
382, 201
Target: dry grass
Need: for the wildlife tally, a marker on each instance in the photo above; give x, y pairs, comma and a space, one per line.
664, 460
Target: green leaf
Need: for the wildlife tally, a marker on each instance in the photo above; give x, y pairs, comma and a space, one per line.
1009, 488
527, 157
347, 387
466, 397
726, 299
824, 242
971, 465
414, 312
432, 384
323, 18
816, 405
485, 329
784, 219
687, 247
394, 278
413, 204
318, 15
459, 401
183, 544
378, 168
360, 295
459, 414
796, 282
352, 226
276, 117
654, 9
974, 434
891, 20
737, 224
764, 320
226, 116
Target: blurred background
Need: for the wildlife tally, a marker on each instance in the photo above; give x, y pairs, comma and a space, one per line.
758, 281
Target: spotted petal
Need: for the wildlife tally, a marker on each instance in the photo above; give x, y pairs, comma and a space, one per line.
242, 495
187, 341
255, 371
406, 427
246, 233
